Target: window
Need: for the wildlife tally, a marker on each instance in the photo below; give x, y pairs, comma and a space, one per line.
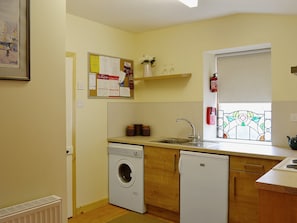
249, 121
244, 95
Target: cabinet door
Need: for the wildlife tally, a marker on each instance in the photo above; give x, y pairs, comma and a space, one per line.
243, 195
161, 178
277, 207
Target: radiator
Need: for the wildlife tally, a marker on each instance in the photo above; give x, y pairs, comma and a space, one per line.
43, 210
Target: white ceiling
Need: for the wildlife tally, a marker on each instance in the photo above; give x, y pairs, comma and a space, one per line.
144, 15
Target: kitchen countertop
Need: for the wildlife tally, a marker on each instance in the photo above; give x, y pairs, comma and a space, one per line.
235, 149
280, 179
274, 180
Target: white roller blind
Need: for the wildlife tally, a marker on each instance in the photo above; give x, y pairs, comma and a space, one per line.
244, 77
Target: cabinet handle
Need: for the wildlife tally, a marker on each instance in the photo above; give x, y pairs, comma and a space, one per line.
254, 167
174, 163
234, 187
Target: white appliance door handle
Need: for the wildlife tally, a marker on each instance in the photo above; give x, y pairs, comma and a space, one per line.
180, 164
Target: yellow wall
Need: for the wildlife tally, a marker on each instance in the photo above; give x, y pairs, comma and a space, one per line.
32, 121
183, 47
84, 36
32, 161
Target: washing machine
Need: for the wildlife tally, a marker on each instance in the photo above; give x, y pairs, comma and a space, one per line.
126, 176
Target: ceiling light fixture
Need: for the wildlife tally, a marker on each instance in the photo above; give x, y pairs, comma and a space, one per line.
190, 3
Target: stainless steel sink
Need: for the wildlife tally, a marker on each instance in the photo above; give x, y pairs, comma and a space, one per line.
186, 142
200, 144
174, 140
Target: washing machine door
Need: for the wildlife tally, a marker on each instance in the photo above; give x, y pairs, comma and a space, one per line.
126, 174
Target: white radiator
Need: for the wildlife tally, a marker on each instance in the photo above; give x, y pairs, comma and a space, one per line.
43, 210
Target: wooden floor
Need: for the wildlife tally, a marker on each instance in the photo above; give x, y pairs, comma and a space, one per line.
100, 215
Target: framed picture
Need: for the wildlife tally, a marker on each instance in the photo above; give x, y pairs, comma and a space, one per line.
14, 40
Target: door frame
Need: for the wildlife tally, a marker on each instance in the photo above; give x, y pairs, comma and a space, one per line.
73, 56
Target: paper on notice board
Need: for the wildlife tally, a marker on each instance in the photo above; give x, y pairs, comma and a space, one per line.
102, 85
125, 91
92, 81
109, 65
94, 64
114, 87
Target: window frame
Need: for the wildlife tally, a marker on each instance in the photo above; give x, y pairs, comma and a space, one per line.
210, 99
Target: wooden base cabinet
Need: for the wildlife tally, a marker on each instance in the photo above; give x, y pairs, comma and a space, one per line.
277, 207
243, 194
161, 182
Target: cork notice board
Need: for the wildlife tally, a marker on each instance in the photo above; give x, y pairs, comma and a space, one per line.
110, 77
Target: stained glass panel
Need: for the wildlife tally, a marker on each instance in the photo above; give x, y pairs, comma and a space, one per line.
245, 121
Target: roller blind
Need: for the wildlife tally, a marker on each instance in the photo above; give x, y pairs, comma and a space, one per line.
244, 77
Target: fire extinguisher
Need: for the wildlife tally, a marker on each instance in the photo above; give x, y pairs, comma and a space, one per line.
214, 83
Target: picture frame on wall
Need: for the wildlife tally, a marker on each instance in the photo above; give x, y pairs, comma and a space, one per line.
14, 40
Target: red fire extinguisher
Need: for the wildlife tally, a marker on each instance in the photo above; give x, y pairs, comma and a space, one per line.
214, 83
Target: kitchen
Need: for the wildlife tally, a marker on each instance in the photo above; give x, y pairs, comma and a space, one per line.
83, 36
178, 96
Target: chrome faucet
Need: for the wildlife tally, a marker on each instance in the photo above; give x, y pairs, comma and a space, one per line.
194, 135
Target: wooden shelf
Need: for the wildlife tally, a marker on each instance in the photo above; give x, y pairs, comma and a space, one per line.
163, 77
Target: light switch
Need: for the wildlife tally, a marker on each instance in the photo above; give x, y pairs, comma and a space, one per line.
80, 85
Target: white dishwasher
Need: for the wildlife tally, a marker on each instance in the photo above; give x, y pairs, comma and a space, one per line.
203, 187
